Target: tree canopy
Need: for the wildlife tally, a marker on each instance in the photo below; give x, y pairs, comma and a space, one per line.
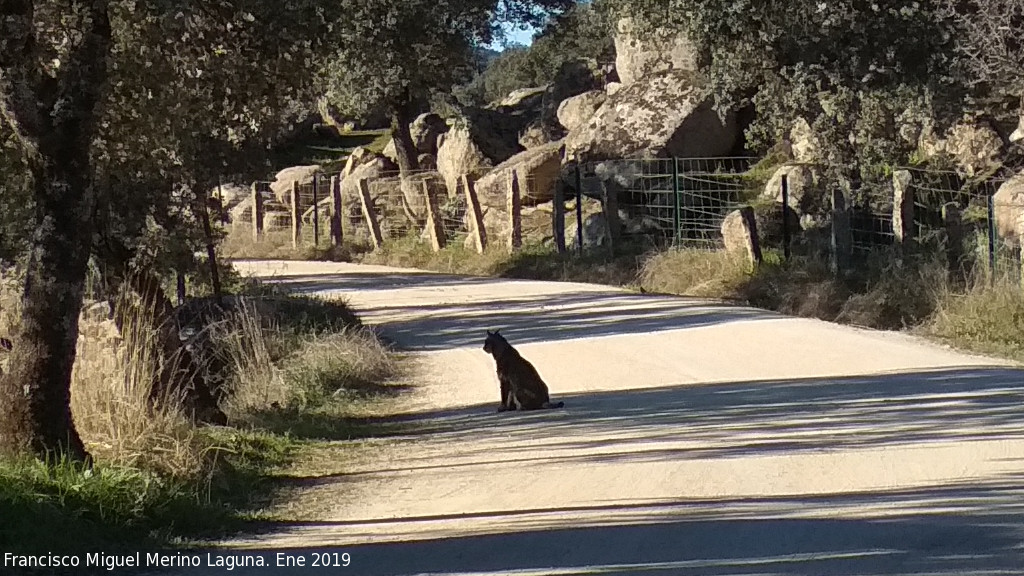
394, 56
857, 71
122, 113
582, 32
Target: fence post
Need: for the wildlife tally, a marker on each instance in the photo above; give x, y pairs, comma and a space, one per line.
953, 223
316, 210
257, 212
902, 210
992, 238
438, 240
677, 221
476, 216
785, 217
613, 226
515, 212
296, 215
369, 214
751, 238
220, 202
180, 288
579, 209
558, 217
840, 231
337, 209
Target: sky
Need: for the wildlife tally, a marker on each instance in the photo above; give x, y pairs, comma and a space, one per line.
522, 36
516, 36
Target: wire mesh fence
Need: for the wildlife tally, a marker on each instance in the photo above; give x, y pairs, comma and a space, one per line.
673, 201
662, 202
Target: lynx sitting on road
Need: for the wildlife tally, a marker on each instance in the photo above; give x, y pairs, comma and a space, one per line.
521, 386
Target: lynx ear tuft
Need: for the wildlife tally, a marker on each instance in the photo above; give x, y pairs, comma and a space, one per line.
489, 333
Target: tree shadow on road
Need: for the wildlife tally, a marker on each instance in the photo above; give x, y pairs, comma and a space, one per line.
755, 418
975, 526
971, 528
523, 317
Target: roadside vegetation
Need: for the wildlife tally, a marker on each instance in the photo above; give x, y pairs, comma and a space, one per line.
294, 370
978, 313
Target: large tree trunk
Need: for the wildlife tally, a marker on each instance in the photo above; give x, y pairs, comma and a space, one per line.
406, 153
53, 117
405, 148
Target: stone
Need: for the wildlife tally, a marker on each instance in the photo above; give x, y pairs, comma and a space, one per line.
281, 187
576, 111
460, 155
539, 170
806, 196
666, 115
975, 147
641, 54
1008, 203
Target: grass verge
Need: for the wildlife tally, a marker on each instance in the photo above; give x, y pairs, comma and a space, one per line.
295, 370
883, 292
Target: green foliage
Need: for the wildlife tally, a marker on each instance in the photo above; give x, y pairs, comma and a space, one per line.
108, 507
584, 32
196, 95
865, 76
398, 54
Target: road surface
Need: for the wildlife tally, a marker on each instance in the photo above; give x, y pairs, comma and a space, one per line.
697, 438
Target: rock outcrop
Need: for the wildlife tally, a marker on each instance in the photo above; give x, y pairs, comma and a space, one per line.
643, 54
539, 171
1009, 210
975, 147
577, 110
460, 155
665, 115
281, 187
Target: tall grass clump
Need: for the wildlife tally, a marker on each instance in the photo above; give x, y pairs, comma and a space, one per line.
298, 359
698, 273
114, 374
987, 317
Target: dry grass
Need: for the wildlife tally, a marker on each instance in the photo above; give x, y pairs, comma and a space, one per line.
276, 244
109, 398
533, 261
299, 360
987, 317
698, 273
277, 366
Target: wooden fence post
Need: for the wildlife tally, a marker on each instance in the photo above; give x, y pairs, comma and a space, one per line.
369, 214
841, 241
316, 210
476, 217
558, 217
257, 212
515, 212
751, 238
902, 210
435, 227
953, 223
337, 208
296, 215
613, 226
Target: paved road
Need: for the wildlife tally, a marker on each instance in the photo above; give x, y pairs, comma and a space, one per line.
697, 438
